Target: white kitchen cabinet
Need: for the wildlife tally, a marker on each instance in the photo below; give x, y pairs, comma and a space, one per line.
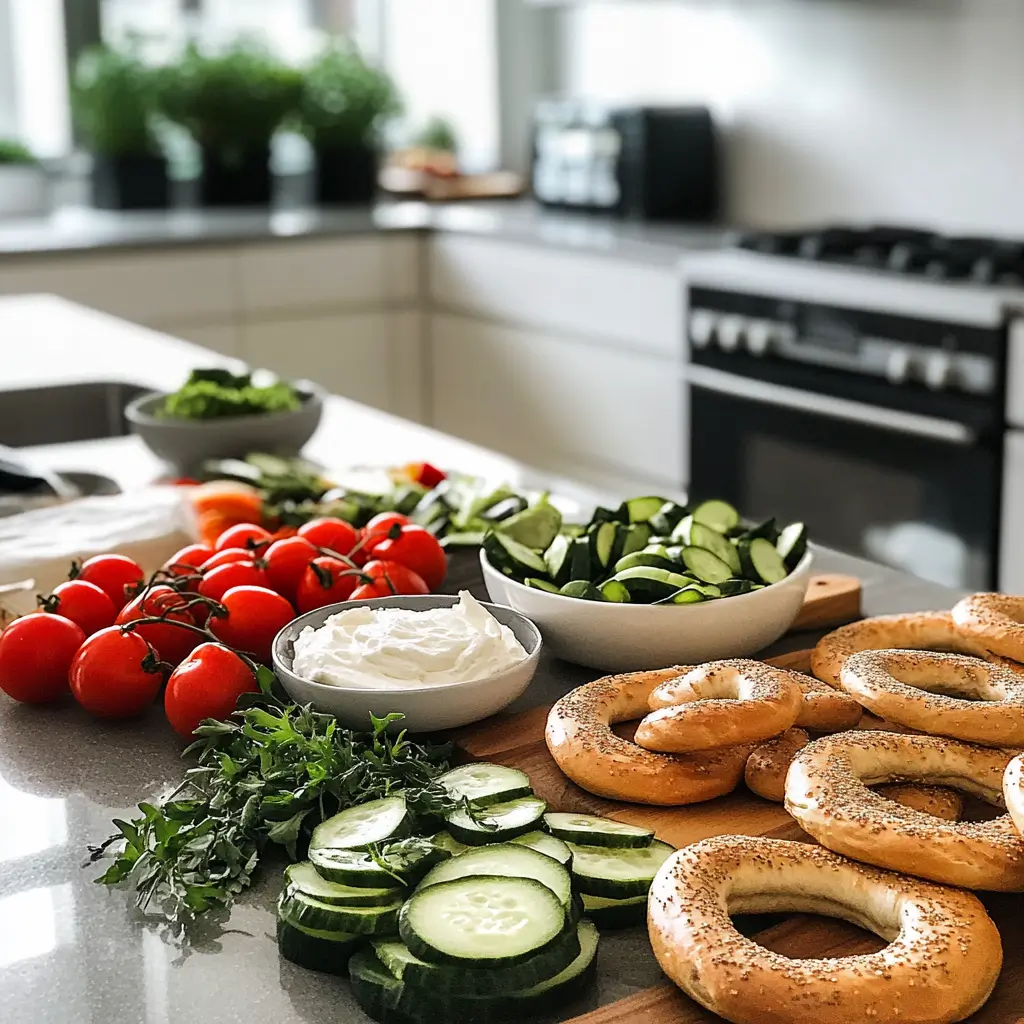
373, 358
628, 303
558, 403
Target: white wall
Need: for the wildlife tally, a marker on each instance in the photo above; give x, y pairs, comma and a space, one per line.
897, 110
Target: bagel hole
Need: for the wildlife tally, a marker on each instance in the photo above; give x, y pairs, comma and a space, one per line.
969, 685
808, 936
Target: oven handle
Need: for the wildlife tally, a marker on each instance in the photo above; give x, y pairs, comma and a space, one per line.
930, 427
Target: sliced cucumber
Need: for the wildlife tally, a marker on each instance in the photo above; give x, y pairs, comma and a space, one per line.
641, 510
546, 844
506, 553
353, 867
692, 594
650, 559
767, 529
305, 912
580, 565
613, 590
590, 830
582, 589
606, 913
706, 566
446, 841
664, 521
546, 585
637, 537
761, 561
617, 873
719, 515
557, 559
645, 583
357, 827
698, 535
483, 784
316, 951
306, 879
505, 860
463, 539
792, 544
376, 989
730, 588
499, 822
482, 921
602, 543
535, 527
444, 979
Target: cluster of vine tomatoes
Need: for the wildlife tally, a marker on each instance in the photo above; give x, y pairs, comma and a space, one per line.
206, 620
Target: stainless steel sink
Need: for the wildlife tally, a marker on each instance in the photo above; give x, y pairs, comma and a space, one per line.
65, 412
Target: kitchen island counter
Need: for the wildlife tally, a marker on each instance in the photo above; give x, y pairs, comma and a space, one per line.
70, 952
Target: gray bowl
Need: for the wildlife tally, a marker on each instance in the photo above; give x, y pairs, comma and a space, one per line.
430, 708
186, 444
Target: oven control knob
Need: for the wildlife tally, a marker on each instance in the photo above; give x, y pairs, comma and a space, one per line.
702, 327
730, 332
898, 365
938, 370
761, 337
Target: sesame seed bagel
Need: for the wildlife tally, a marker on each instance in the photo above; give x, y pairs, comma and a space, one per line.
941, 964
824, 709
721, 704
940, 694
995, 620
1013, 791
581, 741
939, 801
765, 771
916, 631
827, 793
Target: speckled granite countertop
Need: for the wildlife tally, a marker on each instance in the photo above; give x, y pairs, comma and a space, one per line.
70, 952
77, 229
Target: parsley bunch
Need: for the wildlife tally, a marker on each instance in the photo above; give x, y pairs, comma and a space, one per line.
267, 777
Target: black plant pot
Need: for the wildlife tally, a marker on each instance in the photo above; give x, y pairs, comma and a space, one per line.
241, 179
129, 182
345, 174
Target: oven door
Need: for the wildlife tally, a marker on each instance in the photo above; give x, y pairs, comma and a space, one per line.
914, 492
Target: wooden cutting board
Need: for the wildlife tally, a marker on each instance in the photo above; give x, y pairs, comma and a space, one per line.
518, 741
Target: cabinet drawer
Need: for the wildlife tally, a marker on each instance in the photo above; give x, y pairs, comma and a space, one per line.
555, 402
609, 299
328, 272
149, 287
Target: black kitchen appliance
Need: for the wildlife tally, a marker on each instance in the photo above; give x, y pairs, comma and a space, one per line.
643, 163
868, 403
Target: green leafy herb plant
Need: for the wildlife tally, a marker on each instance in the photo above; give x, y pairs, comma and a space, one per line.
14, 153
215, 394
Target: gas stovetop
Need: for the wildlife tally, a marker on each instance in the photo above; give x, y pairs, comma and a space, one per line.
901, 251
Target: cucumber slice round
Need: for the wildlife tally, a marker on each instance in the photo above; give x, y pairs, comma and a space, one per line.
606, 913
306, 879
484, 784
499, 822
719, 515
761, 561
479, 981
590, 830
376, 989
548, 845
707, 566
617, 873
316, 951
357, 827
482, 921
299, 909
507, 861
350, 867
792, 544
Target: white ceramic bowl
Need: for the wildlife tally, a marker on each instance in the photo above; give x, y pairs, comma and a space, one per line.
426, 708
630, 637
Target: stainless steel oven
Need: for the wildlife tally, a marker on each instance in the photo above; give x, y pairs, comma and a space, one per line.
879, 422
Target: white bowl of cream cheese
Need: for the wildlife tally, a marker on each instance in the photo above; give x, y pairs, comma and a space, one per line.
441, 661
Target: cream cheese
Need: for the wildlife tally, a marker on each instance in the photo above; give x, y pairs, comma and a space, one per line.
389, 648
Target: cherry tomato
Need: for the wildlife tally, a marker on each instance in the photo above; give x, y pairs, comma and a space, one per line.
84, 604
217, 583
334, 534
326, 581
286, 562
226, 557
114, 675
188, 559
112, 574
379, 526
418, 549
400, 577
244, 535
255, 616
207, 684
172, 642
367, 591
36, 652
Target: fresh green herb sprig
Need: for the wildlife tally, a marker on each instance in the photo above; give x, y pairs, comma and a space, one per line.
213, 394
269, 776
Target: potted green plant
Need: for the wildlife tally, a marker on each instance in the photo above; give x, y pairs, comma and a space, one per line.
231, 103
23, 185
343, 105
114, 101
